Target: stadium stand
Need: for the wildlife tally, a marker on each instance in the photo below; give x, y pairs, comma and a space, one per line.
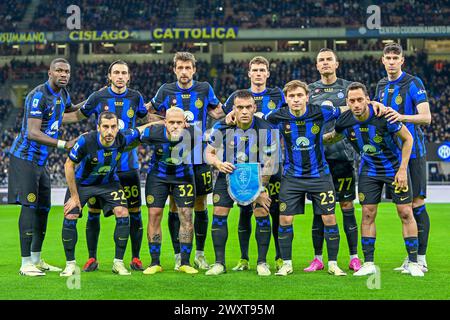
11, 13
136, 14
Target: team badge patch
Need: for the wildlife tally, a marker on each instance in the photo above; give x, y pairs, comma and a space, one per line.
216, 198
271, 105
150, 199
315, 129
130, 113
31, 197
244, 183
198, 103
398, 99
92, 200
361, 197
340, 95
283, 206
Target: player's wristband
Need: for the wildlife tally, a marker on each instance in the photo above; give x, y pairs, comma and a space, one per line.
61, 144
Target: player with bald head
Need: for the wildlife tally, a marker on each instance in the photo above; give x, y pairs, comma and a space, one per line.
170, 173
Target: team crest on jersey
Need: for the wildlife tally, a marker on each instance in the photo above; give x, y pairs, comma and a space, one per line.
283, 206
288, 126
106, 108
315, 129
94, 161
174, 103
159, 152
398, 99
340, 95
150, 199
198, 103
92, 200
130, 113
58, 101
377, 139
361, 197
31, 197
216, 198
271, 105
317, 91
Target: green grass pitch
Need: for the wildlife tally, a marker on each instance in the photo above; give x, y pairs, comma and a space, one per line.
172, 285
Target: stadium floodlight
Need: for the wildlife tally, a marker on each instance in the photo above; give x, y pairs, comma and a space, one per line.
200, 44
107, 44
156, 44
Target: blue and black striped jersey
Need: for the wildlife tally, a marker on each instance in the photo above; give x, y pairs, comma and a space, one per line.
195, 102
403, 95
171, 160
245, 146
45, 104
97, 163
304, 154
128, 106
374, 139
266, 101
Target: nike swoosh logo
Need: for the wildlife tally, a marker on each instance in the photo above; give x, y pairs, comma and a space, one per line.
67, 240
347, 196
353, 228
353, 139
330, 209
29, 233
287, 132
281, 238
334, 238
265, 231
401, 199
209, 189
134, 202
186, 203
123, 238
215, 229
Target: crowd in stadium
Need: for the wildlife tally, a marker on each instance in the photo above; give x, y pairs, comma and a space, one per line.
226, 78
122, 14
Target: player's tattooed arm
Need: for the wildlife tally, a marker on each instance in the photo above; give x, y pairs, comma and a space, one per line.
35, 134
217, 112
401, 177
75, 107
332, 137
74, 200
72, 117
212, 159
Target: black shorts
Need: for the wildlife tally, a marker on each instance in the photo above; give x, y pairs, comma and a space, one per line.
131, 184
418, 172
273, 189
371, 188
293, 191
157, 190
28, 183
203, 179
343, 174
110, 195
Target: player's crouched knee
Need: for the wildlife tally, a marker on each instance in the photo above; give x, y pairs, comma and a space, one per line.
121, 212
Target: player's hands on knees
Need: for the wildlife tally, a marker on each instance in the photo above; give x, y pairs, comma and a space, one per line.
225, 167
401, 179
71, 204
264, 200
230, 119
379, 108
393, 116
